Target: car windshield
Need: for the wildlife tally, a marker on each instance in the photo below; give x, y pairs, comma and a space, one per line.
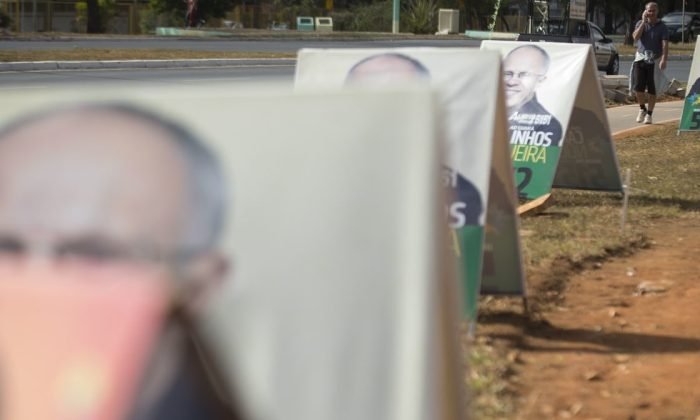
676, 18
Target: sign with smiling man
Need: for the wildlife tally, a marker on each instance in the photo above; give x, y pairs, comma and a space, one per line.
558, 129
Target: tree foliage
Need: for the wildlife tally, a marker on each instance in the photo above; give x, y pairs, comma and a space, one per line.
94, 23
289, 10
5, 20
631, 10
419, 16
206, 9
94, 16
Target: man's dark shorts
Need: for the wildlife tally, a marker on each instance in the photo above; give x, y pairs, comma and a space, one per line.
644, 77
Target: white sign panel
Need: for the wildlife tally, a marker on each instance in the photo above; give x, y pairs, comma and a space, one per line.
559, 132
340, 301
477, 168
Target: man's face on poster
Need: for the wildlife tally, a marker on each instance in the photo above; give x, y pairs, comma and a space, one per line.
83, 192
386, 69
523, 70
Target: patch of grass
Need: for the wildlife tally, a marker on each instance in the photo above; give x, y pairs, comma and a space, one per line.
687, 48
582, 228
491, 394
144, 54
79, 54
665, 168
587, 225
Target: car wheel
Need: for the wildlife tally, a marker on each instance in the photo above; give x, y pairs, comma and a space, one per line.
614, 65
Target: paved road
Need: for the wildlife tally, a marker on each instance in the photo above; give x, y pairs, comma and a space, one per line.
675, 69
620, 118
244, 71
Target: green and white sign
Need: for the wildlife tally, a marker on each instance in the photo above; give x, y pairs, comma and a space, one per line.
690, 119
558, 129
477, 172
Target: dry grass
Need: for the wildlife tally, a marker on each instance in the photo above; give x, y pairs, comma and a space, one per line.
140, 54
581, 225
583, 228
673, 49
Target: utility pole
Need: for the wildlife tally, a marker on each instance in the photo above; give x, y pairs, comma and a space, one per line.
395, 18
683, 23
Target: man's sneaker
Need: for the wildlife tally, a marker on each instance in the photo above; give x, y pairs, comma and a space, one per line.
647, 119
641, 115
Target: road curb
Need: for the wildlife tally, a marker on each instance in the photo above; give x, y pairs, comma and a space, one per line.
148, 64
131, 64
242, 35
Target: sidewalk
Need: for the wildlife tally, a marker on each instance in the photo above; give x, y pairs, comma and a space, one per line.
623, 118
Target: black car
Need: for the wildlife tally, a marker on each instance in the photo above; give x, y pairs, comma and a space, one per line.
682, 28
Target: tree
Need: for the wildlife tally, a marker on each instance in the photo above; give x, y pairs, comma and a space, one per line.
632, 10
419, 16
94, 23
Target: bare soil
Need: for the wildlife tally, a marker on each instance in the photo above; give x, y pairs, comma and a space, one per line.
615, 339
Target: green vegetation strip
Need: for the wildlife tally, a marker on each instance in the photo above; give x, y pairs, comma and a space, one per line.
673, 49
90, 54
584, 227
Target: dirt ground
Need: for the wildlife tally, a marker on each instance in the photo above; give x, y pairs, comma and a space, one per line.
618, 339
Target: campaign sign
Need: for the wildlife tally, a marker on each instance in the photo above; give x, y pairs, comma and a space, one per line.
553, 100
477, 173
341, 300
690, 119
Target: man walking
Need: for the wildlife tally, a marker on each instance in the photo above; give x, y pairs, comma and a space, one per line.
651, 36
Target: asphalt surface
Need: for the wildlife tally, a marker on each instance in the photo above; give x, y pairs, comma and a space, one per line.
677, 69
245, 71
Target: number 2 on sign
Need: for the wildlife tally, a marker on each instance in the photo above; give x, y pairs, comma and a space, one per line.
527, 177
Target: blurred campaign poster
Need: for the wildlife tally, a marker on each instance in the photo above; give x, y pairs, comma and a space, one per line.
558, 129
340, 298
477, 172
690, 118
